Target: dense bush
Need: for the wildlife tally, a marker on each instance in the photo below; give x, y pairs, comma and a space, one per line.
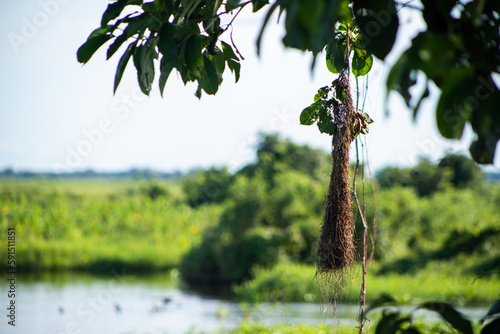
427, 178
259, 228
207, 186
276, 155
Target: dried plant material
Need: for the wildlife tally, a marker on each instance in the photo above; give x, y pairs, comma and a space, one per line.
336, 250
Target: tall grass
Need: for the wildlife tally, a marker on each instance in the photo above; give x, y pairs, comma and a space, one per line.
98, 225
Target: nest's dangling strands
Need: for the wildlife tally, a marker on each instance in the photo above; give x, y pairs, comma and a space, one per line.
336, 250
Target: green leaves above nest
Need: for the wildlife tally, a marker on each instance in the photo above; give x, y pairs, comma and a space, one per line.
328, 112
181, 35
337, 55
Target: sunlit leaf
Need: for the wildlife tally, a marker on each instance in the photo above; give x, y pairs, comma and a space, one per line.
335, 57
310, 114
361, 64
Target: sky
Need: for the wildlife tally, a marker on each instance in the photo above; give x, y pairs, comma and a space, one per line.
57, 115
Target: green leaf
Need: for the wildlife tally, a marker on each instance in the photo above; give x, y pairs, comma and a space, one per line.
401, 77
335, 57
235, 68
136, 25
451, 315
228, 51
310, 12
494, 310
232, 4
367, 118
378, 25
322, 94
189, 8
492, 328
220, 62
483, 149
266, 19
114, 10
168, 44
454, 108
340, 93
258, 4
150, 7
96, 39
382, 300
309, 115
485, 122
361, 64
193, 56
122, 64
425, 95
325, 124
390, 323
209, 79
165, 70
144, 56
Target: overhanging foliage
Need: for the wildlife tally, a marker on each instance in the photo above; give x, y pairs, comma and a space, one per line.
459, 51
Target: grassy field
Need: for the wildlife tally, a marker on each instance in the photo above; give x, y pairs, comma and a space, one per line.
93, 226
428, 248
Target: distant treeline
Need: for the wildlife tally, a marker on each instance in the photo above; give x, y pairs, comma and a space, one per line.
148, 174
136, 174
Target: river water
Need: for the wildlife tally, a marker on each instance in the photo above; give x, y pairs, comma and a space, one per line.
124, 304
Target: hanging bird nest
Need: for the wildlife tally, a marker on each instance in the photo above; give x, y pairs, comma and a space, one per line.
336, 250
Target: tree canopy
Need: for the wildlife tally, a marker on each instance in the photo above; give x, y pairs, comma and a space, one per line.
458, 53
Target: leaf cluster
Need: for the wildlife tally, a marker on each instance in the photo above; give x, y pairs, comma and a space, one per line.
165, 35
459, 53
348, 40
328, 112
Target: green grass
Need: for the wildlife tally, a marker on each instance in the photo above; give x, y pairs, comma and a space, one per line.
297, 283
258, 328
249, 327
98, 225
